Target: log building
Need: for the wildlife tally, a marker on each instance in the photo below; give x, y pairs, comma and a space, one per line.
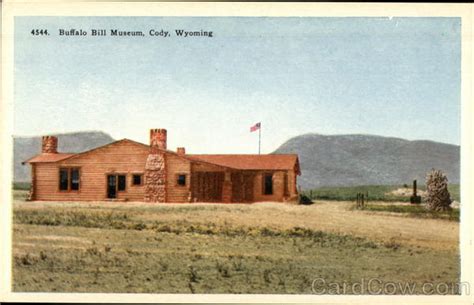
131, 171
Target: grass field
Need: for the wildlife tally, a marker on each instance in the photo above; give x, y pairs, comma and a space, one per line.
414, 211
21, 186
218, 248
375, 192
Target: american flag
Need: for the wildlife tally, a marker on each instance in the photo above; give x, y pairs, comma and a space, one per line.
255, 127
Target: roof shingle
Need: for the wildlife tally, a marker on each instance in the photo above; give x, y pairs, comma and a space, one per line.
48, 157
251, 162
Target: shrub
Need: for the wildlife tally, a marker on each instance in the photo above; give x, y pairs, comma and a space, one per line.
266, 276
193, 275
27, 259
438, 197
223, 269
303, 199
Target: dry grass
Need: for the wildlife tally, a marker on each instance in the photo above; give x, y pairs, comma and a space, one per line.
328, 216
218, 248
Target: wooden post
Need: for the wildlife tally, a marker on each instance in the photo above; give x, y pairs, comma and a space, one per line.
414, 197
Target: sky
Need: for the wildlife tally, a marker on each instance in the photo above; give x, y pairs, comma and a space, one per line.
397, 77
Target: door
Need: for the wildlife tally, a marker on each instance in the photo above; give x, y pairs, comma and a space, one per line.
242, 186
249, 179
111, 186
207, 186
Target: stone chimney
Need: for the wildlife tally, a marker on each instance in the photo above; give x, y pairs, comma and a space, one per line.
181, 151
49, 145
155, 167
157, 139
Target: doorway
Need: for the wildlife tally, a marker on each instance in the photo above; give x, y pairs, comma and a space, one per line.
115, 183
242, 186
111, 186
207, 186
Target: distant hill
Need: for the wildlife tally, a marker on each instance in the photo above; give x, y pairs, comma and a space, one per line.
349, 160
27, 147
326, 160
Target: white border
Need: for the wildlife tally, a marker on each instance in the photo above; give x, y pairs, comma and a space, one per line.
57, 8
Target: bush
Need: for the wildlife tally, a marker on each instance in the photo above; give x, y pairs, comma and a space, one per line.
303, 199
438, 198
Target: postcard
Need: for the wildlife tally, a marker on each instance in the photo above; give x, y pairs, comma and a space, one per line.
217, 152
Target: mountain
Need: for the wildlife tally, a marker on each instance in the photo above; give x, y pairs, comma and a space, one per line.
350, 160
27, 147
326, 160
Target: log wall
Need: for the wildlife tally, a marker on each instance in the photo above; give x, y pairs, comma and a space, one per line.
280, 191
174, 166
128, 158
119, 158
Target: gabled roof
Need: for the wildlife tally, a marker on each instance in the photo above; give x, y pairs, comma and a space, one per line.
107, 145
253, 162
232, 161
51, 157
48, 157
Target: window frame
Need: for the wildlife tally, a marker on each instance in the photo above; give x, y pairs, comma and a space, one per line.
185, 180
118, 182
133, 179
69, 170
116, 174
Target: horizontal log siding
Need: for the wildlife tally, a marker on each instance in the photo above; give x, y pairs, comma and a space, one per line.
176, 165
205, 167
129, 158
121, 158
201, 168
278, 186
291, 183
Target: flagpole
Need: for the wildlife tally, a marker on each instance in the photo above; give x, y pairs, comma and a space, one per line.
259, 137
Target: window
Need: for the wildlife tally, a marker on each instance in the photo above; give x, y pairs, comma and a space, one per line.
181, 180
74, 179
268, 184
69, 179
122, 182
63, 179
137, 179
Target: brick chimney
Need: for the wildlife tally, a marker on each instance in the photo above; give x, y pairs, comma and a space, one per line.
49, 145
157, 139
155, 167
181, 151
